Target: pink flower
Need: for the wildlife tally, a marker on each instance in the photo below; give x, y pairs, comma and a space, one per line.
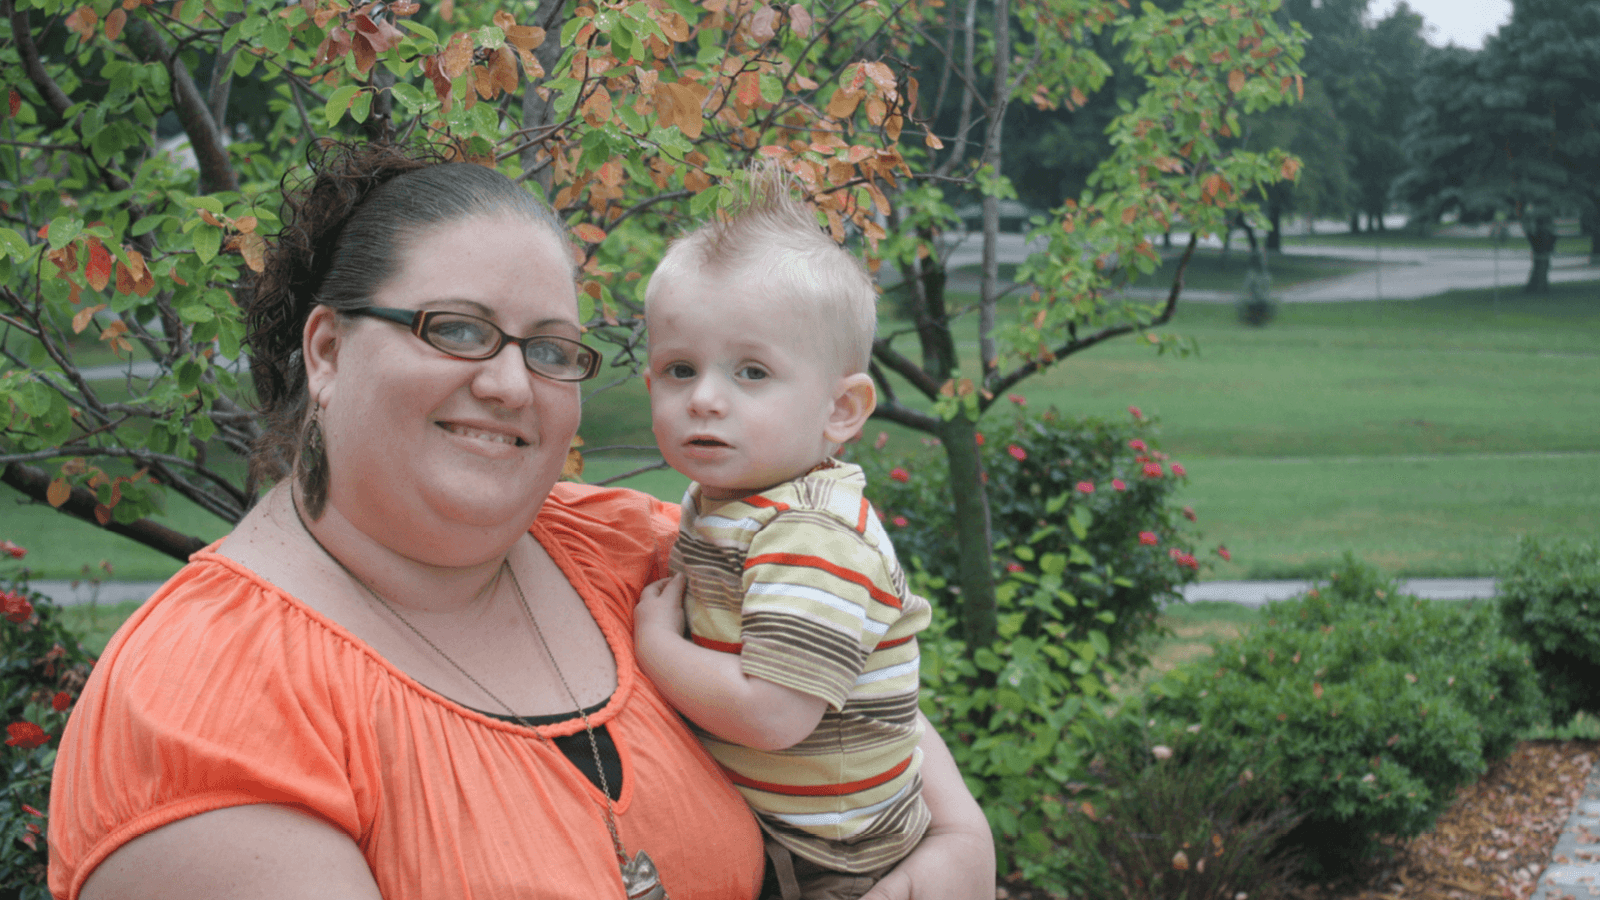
978, 436
1223, 552
1188, 513
61, 701
883, 438
1117, 484
1153, 470
1013, 567
1148, 538
15, 607
1018, 399
900, 475
31, 811
1085, 487
25, 735
1017, 453
1138, 445
1179, 470
15, 551
1184, 558
1134, 411
900, 521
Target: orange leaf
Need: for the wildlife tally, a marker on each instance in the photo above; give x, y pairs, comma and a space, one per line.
932, 141
763, 25
58, 492
673, 25
1180, 861
115, 22
456, 56
82, 22
525, 37
80, 320
14, 103
749, 89
588, 233
876, 110
1316, 689
882, 76
843, 103
253, 247
503, 68
102, 513
1128, 215
1236, 80
1291, 168
98, 270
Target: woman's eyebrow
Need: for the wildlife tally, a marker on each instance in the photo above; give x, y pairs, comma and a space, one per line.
483, 312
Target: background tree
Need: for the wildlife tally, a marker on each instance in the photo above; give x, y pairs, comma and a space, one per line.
115, 251
1514, 127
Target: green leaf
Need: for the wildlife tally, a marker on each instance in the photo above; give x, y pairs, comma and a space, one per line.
63, 231
339, 103
12, 244
207, 242
408, 95
361, 106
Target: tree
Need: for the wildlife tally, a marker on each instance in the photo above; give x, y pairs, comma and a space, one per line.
1514, 127
628, 112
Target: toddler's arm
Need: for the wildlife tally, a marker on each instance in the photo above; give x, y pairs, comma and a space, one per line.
709, 686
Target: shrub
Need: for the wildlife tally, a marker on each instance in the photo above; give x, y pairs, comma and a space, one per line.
1375, 704
1162, 817
1014, 713
1550, 597
42, 670
1094, 496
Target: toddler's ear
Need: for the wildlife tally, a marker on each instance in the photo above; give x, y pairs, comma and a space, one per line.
854, 399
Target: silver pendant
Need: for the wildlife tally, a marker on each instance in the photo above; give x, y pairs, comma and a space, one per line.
640, 880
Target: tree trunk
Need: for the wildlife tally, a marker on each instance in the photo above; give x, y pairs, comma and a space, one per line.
1355, 222
34, 483
975, 563
1540, 227
1275, 236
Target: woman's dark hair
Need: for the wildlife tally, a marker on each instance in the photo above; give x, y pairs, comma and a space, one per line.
346, 229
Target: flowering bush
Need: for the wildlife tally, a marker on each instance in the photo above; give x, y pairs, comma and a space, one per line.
1550, 597
1374, 705
42, 670
1115, 554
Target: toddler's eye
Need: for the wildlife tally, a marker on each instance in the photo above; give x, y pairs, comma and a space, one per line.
679, 370
752, 373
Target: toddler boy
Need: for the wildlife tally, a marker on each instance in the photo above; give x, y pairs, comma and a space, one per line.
800, 667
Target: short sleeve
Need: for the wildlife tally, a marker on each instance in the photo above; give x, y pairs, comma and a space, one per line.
150, 742
621, 539
816, 602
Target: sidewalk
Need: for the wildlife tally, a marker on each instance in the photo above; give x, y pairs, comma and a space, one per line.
1574, 870
1259, 593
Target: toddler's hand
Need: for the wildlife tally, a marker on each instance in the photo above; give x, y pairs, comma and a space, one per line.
660, 608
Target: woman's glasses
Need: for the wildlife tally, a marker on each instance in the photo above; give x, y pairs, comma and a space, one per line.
469, 337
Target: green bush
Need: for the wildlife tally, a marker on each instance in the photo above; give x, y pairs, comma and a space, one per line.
1375, 704
42, 670
1014, 714
1095, 495
1550, 597
1162, 817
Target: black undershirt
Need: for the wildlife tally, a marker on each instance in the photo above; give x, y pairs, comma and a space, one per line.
576, 747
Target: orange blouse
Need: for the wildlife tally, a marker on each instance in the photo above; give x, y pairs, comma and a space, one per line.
224, 691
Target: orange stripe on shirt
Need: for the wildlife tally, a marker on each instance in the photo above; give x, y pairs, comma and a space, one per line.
819, 790
861, 519
816, 562
764, 502
720, 646
884, 645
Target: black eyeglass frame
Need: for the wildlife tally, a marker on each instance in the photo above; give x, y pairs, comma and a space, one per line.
416, 320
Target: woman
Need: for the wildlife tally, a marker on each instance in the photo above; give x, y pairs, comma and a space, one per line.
407, 672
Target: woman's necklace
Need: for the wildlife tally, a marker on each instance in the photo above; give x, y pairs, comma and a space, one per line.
639, 876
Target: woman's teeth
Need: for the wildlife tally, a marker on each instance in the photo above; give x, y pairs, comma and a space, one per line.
484, 435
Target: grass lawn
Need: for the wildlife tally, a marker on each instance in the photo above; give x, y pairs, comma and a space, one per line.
1565, 244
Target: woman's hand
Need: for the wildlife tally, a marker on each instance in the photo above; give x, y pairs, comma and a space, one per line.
955, 860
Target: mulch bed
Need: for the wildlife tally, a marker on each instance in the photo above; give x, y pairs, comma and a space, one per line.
1494, 841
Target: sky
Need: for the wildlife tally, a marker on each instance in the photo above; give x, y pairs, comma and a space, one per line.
1464, 23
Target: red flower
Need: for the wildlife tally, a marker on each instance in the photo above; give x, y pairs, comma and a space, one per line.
31, 811
900, 475
61, 701
978, 436
16, 607
1085, 487
15, 551
1138, 445
1148, 538
25, 735
1134, 411
1018, 399
1117, 484
900, 521
1223, 552
1013, 567
1188, 513
1017, 453
1178, 470
1153, 470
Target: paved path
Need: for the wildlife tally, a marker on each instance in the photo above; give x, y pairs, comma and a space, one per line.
1400, 273
1258, 593
1574, 870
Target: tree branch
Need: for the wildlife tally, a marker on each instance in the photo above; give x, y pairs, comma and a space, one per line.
210, 153
33, 483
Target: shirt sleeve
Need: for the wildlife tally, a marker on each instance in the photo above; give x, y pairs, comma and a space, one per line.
816, 602
151, 740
